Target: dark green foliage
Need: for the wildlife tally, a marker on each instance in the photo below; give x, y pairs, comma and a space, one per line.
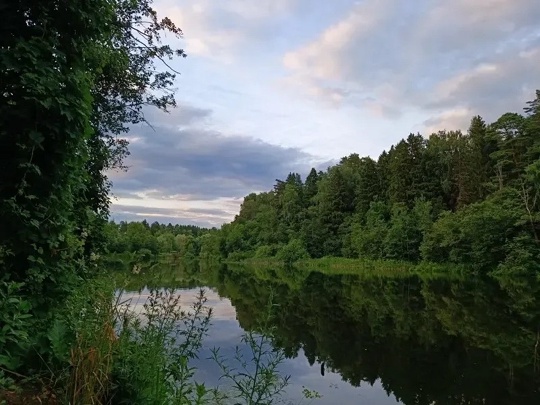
209, 244
404, 235
292, 252
311, 186
367, 238
139, 246
16, 320
522, 260
265, 251
335, 202
73, 77
477, 235
45, 88
152, 365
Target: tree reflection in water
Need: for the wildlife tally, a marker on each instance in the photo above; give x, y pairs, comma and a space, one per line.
427, 339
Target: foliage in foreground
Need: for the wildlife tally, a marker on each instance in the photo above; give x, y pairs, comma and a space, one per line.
128, 353
155, 347
73, 77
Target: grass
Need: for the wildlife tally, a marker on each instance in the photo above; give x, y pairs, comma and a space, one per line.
360, 267
357, 266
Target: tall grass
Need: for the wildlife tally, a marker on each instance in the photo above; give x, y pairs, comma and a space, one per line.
380, 267
83, 337
122, 352
155, 347
359, 266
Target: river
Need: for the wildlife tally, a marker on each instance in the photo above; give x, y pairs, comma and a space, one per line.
364, 339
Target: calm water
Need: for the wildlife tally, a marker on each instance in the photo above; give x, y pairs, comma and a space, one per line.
375, 340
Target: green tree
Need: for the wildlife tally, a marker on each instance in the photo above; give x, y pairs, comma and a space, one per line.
405, 231
368, 238
166, 242
335, 203
405, 170
311, 187
478, 235
187, 246
73, 77
451, 197
209, 246
369, 186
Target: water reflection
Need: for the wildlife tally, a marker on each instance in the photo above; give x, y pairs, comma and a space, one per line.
382, 340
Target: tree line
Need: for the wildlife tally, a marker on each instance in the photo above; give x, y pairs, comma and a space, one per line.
147, 241
470, 198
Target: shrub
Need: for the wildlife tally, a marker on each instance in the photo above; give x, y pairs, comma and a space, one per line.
265, 251
292, 251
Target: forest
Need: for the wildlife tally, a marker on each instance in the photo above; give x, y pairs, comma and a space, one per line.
466, 198
187, 241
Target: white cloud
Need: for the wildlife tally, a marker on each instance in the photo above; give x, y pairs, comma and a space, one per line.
323, 58
491, 89
440, 57
217, 29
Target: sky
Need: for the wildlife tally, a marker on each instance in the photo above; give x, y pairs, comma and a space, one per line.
277, 86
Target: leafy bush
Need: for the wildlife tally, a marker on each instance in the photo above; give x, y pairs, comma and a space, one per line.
143, 256
254, 374
477, 235
110, 353
154, 349
292, 251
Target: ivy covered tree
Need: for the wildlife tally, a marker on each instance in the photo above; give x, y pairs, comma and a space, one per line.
73, 77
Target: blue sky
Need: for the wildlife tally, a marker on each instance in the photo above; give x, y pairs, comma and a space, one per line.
274, 86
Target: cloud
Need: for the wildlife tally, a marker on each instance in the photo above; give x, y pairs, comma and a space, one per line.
181, 116
453, 119
180, 166
218, 29
203, 217
507, 82
205, 163
433, 56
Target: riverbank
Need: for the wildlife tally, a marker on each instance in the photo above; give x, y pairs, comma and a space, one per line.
368, 267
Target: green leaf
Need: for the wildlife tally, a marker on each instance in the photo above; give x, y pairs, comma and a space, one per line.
58, 339
36, 137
